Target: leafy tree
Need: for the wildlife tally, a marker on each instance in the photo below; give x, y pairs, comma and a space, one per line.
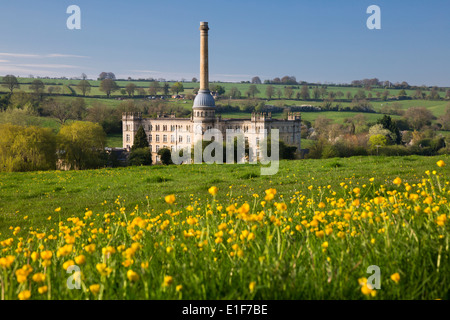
377, 140
37, 86
177, 87
4, 102
194, 80
360, 95
130, 88
165, 156
80, 145
107, 75
26, 148
84, 86
218, 89
444, 120
279, 93
108, 86
140, 139
418, 117
235, 93
288, 92
402, 93
270, 91
390, 125
253, 90
140, 157
256, 80
165, 88
304, 92
434, 94
108, 118
154, 88
348, 95
286, 151
316, 93
10, 81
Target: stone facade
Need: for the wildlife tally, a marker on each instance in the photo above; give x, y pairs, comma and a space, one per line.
167, 131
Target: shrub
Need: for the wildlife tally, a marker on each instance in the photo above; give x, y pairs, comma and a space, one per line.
140, 157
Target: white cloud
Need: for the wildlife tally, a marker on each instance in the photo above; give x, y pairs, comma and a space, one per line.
45, 66
31, 55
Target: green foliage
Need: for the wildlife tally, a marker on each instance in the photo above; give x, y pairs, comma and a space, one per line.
390, 125
80, 145
329, 151
165, 156
108, 86
177, 87
10, 81
140, 157
377, 140
84, 86
26, 148
140, 139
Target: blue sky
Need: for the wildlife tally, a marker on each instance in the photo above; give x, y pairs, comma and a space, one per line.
315, 41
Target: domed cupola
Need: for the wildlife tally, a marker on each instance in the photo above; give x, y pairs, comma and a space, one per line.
204, 105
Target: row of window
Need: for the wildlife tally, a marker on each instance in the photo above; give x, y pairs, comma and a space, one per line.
158, 127
172, 138
205, 114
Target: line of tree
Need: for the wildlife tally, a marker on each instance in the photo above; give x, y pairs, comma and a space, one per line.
79, 145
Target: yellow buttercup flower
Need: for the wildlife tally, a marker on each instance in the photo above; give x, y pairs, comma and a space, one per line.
170, 199
167, 281
90, 248
252, 286
95, 288
38, 277
81, 259
397, 181
103, 269
213, 190
24, 295
270, 194
132, 276
395, 277
7, 262
46, 255
42, 289
440, 163
58, 209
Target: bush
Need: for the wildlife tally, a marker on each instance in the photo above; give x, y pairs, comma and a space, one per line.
26, 148
166, 156
329, 151
140, 157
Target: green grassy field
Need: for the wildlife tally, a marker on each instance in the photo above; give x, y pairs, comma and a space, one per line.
308, 232
189, 86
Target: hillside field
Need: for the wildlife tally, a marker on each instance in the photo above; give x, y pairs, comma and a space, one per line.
162, 232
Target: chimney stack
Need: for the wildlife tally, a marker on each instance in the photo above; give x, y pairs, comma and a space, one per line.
204, 77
